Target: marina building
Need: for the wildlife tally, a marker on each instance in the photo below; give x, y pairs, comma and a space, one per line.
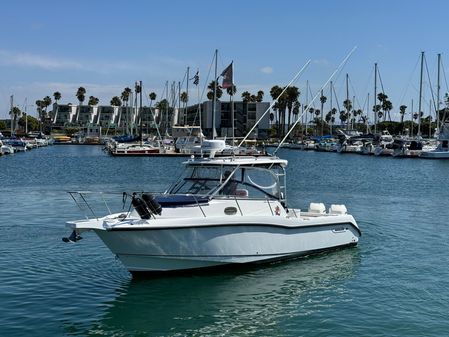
125, 119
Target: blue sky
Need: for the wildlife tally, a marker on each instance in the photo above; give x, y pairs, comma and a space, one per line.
104, 46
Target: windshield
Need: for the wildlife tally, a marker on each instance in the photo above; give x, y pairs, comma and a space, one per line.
247, 182
198, 180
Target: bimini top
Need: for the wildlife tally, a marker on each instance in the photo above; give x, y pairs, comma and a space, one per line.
263, 161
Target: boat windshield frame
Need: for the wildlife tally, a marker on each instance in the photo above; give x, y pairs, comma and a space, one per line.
224, 180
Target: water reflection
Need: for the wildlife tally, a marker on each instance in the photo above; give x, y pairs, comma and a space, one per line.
232, 303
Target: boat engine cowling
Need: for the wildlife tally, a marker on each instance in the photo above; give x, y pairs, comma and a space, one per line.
152, 203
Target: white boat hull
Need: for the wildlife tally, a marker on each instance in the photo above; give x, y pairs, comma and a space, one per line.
172, 248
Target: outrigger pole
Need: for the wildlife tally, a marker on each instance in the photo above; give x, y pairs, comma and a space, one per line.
316, 96
274, 102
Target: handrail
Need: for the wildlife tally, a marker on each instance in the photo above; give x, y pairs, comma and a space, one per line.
235, 199
201, 209
83, 203
269, 205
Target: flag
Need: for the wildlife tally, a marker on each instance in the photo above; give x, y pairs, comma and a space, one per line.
196, 78
228, 79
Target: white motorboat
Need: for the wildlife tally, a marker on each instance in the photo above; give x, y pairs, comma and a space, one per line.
5, 148
442, 149
222, 211
407, 148
385, 145
133, 149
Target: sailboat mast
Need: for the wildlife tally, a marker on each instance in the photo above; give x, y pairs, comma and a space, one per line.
331, 106
140, 113
215, 96
430, 118
347, 102
12, 114
437, 115
26, 116
367, 109
187, 100
307, 106
411, 120
375, 98
179, 103
420, 95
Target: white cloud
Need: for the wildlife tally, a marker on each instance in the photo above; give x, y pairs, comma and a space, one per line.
321, 62
267, 70
29, 60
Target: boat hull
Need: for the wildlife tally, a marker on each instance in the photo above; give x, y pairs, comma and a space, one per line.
186, 248
435, 155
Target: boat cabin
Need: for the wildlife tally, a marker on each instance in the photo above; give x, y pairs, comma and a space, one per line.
236, 177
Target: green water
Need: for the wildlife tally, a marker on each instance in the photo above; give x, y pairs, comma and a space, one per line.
394, 283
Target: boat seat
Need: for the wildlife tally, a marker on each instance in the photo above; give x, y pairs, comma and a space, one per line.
337, 209
317, 208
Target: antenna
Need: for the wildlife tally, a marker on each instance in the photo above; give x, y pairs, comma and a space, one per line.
315, 97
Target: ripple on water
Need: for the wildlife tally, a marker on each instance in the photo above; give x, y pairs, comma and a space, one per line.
393, 284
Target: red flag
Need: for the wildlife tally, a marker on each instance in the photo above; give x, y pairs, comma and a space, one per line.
228, 79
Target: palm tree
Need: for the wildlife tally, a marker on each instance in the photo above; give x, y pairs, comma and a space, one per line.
39, 105
274, 93
292, 95
80, 95
125, 98
347, 104
343, 116
184, 98
402, 109
387, 106
323, 100
115, 101
152, 97
93, 101
57, 96
46, 102
259, 97
231, 90
15, 113
246, 96
212, 86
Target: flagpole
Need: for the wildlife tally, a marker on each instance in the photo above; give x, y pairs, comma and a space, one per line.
232, 115
232, 104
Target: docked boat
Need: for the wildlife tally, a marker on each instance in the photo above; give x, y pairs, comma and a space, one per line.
5, 148
442, 149
385, 145
407, 148
19, 145
222, 211
129, 149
